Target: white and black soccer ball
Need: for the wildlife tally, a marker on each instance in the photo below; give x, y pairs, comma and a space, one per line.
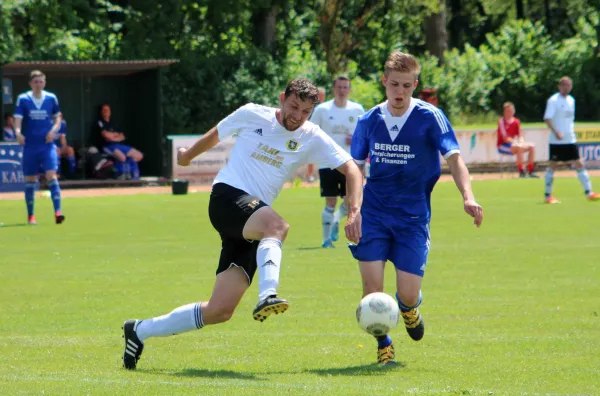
378, 314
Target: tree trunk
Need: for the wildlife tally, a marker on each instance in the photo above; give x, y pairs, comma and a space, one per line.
265, 26
520, 9
435, 33
456, 24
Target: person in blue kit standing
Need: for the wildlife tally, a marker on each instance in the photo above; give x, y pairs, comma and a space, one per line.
403, 137
37, 121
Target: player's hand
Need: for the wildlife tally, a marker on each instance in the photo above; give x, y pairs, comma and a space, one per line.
353, 227
559, 135
20, 139
474, 210
182, 158
50, 136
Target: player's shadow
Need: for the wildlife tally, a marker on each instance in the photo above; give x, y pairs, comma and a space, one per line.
365, 369
13, 225
309, 248
204, 373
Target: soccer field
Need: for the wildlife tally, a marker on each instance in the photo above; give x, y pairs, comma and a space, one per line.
512, 308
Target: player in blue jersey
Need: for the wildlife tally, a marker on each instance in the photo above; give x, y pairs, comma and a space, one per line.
404, 138
63, 149
38, 113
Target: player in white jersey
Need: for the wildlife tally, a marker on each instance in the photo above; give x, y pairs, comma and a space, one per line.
404, 138
270, 145
337, 117
560, 118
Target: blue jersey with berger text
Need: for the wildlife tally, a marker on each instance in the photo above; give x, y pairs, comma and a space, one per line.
404, 157
38, 116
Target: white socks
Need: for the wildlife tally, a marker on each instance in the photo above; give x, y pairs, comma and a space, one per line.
180, 320
327, 221
549, 178
268, 261
340, 213
584, 178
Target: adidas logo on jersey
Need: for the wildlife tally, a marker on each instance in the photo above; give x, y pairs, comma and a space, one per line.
331, 117
394, 128
258, 131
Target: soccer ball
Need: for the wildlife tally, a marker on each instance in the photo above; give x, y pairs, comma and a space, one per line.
378, 314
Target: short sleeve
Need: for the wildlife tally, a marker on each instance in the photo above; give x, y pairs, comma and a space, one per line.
55, 106
19, 108
443, 134
359, 147
233, 123
550, 110
325, 152
317, 116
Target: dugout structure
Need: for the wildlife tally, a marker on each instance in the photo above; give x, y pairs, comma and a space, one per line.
132, 88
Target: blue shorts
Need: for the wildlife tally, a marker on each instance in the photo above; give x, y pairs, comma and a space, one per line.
125, 149
406, 245
36, 159
505, 148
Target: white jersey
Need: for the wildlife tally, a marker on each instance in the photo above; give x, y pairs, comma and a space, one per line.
265, 154
561, 110
338, 122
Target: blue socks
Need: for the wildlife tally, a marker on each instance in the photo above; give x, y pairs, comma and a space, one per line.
133, 168
55, 194
404, 308
384, 341
72, 164
30, 196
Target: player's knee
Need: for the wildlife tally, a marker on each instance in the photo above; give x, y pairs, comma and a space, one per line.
70, 151
372, 286
278, 228
409, 297
138, 156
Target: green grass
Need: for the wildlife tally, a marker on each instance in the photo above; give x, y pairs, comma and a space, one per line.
511, 308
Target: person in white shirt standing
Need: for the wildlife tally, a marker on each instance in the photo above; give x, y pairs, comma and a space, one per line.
270, 145
560, 118
337, 117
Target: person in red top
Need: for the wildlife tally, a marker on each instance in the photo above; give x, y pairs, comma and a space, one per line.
511, 142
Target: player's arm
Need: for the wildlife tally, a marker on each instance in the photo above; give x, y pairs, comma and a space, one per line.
448, 146
354, 185
205, 143
462, 179
18, 134
359, 146
548, 114
55, 128
63, 140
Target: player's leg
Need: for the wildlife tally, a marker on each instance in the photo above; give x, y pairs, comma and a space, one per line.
342, 210
310, 173
69, 153
266, 226
30, 167
530, 147
120, 160
372, 252
409, 256
49, 166
238, 215
519, 152
329, 191
556, 155
229, 288
133, 157
584, 178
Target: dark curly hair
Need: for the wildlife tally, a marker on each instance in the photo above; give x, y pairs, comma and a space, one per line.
304, 89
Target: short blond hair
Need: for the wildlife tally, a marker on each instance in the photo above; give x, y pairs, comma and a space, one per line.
508, 104
403, 63
35, 74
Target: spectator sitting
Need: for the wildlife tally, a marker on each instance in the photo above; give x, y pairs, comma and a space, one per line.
9, 134
63, 149
510, 141
112, 141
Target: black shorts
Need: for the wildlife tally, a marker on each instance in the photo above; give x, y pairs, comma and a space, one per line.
563, 152
333, 183
229, 209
